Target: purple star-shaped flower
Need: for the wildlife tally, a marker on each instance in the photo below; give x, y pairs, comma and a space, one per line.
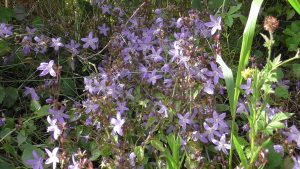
217, 120
247, 87
183, 120
36, 162
56, 44
144, 70
156, 55
105, 9
103, 29
131, 159
72, 47
153, 77
121, 107
293, 135
5, 30
216, 72
59, 114
47, 68
118, 123
209, 87
215, 24
90, 41
163, 109
296, 162
90, 106
222, 144
26, 43
31, 91
210, 132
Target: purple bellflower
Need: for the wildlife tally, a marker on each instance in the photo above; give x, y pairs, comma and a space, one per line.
217, 120
59, 114
118, 123
30, 91
72, 47
293, 135
215, 24
56, 44
47, 68
36, 162
216, 72
5, 30
103, 29
153, 77
221, 145
53, 127
90, 41
247, 87
296, 162
121, 107
183, 120
52, 157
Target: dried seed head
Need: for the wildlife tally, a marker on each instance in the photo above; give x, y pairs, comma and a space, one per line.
271, 23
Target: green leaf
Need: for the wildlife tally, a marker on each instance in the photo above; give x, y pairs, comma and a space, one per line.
222, 107
240, 151
139, 152
68, 87
4, 48
151, 121
282, 116
296, 70
157, 144
229, 82
21, 137
2, 94
274, 158
11, 96
43, 111
35, 105
196, 4
106, 150
282, 92
6, 14
37, 22
296, 5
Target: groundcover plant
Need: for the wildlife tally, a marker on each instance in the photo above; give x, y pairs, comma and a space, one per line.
145, 87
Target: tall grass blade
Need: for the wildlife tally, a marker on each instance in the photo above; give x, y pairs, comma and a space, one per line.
240, 152
296, 5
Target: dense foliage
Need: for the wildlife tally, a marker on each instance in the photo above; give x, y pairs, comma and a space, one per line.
132, 84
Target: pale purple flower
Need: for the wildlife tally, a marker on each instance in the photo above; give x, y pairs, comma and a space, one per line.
117, 123
247, 87
210, 132
279, 149
296, 162
293, 135
75, 165
56, 44
103, 29
5, 30
216, 72
241, 108
153, 77
298, 85
26, 43
217, 120
59, 114
222, 144
47, 68
131, 159
41, 46
209, 87
156, 55
52, 157
163, 109
53, 128
215, 24
168, 82
72, 47
90, 106
184, 120
105, 9
30, 31
30, 91
144, 71
36, 162
90, 41
121, 107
